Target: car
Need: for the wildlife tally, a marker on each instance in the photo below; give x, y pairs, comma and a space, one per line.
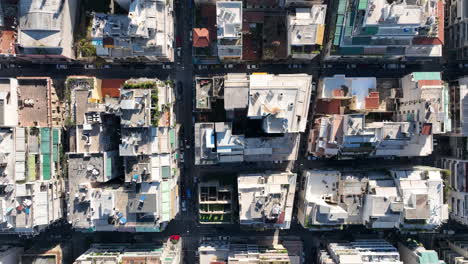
178, 41
202, 67
252, 66
180, 88
314, 86
183, 205
182, 157
61, 66
351, 66
228, 66
179, 51
90, 66
107, 66
190, 35
166, 66
391, 66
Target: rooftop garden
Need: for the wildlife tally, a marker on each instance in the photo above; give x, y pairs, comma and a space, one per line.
215, 218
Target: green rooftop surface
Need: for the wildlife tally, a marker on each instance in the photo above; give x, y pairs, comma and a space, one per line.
418, 76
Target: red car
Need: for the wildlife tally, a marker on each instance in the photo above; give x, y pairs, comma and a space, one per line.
178, 41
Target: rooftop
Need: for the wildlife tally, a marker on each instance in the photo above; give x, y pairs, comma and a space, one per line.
307, 26
267, 199
147, 30
281, 100
358, 88
229, 19
375, 198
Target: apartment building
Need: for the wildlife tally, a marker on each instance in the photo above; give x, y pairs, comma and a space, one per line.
30, 120
359, 251
123, 129
238, 249
215, 202
265, 115
145, 34
377, 198
266, 200
170, 252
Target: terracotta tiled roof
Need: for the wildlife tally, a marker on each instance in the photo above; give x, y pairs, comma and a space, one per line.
328, 106
372, 101
426, 129
7, 42
422, 83
201, 37
111, 87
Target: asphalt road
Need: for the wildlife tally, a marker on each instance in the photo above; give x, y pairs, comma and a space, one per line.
183, 71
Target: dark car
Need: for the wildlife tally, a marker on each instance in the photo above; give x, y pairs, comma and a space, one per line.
180, 90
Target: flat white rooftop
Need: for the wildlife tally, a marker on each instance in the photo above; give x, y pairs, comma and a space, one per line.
381, 13
229, 19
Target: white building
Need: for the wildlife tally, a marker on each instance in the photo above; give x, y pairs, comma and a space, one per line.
389, 30
146, 33
403, 199
266, 200
282, 101
306, 29
351, 136
458, 184
264, 250
277, 104
45, 30
167, 253
30, 158
146, 156
229, 33
359, 252
425, 103
413, 253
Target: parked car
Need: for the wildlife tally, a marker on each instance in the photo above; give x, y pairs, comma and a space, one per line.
392, 66
183, 206
228, 66
180, 88
90, 66
62, 66
166, 66
179, 51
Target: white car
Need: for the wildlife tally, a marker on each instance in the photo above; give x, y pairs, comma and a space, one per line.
166, 66
62, 67
179, 50
89, 66
253, 67
228, 66
391, 66
183, 205
191, 35
202, 67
